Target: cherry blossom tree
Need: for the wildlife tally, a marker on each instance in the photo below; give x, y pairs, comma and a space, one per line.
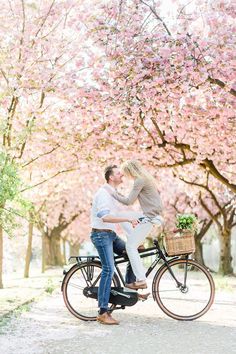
149, 84
40, 63
62, 217
219, 204
169, 84
166, 86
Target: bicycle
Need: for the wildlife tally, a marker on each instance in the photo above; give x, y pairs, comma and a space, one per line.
175, 286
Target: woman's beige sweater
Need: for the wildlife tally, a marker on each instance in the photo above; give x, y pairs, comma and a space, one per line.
145, 191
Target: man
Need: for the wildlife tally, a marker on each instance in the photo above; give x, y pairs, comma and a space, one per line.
104, 216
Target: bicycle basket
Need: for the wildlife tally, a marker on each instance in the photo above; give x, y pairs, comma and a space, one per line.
180, 242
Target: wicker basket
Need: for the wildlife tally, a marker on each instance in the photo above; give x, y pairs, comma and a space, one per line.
180, 242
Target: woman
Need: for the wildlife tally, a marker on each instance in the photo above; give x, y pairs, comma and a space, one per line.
144, 189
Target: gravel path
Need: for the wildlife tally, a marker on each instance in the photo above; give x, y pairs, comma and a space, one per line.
48, 328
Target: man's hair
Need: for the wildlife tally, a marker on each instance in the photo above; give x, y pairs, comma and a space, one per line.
109, 172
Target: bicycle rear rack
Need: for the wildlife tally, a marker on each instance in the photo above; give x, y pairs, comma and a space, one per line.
118, 258
80, 259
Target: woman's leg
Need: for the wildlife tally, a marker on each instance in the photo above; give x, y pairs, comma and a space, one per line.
134, 239
126, 226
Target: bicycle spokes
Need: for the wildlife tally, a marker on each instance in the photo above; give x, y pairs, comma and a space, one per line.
89, 275
191, 296
75, 289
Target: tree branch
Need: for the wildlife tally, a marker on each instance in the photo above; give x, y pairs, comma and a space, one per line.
161, 135
11, 113
221, 84
48, 179
45, 18
213, 217
208, 164
4, 75
44, 154
146, 130
204, 229
208, 190
181, 163
157, 16
22, 30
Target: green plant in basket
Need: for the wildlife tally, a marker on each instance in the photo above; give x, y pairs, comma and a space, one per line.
186, 222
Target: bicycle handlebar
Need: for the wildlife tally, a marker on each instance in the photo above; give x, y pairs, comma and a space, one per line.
157, 220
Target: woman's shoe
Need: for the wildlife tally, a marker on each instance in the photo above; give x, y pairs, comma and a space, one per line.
143, 297
137, 285
141, 248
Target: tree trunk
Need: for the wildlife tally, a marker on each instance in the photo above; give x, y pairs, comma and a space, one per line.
29, 250
1, 257
74, 249
43, 252
64, 250
225, 266
55, 257
47, 249
198, 255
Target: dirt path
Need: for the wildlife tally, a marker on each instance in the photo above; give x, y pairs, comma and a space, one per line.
48, 328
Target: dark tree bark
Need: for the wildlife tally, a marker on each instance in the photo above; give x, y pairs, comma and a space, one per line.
224, 230
224, 220
198, 255
52, 242
225, 266
198, 240
55, 248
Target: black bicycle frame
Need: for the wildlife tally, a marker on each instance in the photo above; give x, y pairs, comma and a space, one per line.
146, 253
153, 251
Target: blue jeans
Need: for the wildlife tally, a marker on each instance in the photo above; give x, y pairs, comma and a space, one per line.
106, 243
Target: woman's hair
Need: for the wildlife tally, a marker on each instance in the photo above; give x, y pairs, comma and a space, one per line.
133, 168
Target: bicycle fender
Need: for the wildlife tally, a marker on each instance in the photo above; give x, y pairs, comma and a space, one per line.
74, 266
65, 275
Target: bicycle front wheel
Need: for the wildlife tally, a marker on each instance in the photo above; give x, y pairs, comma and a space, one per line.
184, 290
76, 280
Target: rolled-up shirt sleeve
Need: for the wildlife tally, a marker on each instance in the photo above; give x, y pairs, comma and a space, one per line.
103, 206
137, 187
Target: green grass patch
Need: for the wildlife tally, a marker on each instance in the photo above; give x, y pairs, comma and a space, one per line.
6, 319
50, 286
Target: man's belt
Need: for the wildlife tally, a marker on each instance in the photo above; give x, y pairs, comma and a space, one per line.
101, 230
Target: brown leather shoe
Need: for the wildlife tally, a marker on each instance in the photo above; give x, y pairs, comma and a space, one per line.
137, 285
107, 319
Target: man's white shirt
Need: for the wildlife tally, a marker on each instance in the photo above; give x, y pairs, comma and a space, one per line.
104, 204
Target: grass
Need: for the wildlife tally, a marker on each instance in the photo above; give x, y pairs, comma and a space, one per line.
50, 286
222, 283
6, 319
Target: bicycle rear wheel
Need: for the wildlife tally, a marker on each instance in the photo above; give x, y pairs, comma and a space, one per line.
190, 296
76, 280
